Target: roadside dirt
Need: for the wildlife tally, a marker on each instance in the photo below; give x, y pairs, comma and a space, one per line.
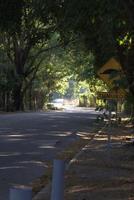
103, 171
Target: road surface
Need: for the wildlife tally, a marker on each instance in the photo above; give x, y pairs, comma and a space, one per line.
29, 140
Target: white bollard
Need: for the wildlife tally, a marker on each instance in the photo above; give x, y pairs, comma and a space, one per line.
20, 193
57, 192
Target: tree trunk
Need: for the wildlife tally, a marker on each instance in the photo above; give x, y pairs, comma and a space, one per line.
18, 97
4, 100
19, 61
30, 97
7, 101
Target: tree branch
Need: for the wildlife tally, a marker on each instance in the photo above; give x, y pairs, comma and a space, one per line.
35, 70
29, 70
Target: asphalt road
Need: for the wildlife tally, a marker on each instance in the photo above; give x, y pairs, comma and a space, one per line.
29, 140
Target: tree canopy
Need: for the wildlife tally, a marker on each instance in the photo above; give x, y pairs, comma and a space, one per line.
107, 29
31, 27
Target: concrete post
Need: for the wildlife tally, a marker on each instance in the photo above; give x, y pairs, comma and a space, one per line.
20, 193
57, 192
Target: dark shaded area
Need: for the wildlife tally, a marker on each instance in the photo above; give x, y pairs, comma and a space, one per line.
29, 140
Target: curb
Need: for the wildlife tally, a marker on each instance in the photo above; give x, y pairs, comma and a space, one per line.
44, 194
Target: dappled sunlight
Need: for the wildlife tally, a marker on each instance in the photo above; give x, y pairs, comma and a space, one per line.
84, 135
15, 137
100, 192
79, 188
12, 167
14, 140
65, 134
101, 137
124, 138
37, 138
58, 133
35, 162
11, 138
12, 135
46, 147
115, 137
5, 154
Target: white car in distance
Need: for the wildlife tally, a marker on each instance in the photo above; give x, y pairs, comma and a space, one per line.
56, 104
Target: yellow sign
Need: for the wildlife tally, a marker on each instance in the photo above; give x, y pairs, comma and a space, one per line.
114, 94
105, 72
